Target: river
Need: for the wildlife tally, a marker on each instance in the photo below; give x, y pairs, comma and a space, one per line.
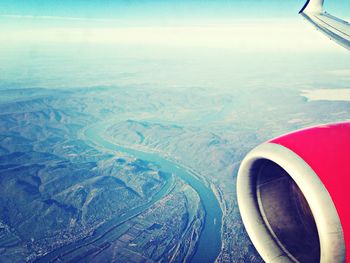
209, 244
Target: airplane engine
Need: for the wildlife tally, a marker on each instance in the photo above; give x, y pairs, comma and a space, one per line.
293, 195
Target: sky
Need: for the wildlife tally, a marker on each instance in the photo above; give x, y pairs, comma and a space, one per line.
241, 24
227, 34
162, 9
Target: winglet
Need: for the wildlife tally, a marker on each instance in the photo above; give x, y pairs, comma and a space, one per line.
313, 6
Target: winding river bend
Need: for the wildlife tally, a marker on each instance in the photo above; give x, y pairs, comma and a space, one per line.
209, 244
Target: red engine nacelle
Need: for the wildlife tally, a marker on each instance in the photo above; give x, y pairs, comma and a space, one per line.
293, 195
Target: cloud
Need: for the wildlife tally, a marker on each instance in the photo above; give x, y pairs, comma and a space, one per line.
249, 35
64, 18
327, 94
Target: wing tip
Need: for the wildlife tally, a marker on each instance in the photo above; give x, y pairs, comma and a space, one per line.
304, 6
312, 6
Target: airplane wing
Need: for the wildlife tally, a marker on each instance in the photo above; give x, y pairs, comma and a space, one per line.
334, 27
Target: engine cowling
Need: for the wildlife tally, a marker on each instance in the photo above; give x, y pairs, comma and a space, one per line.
293, 195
